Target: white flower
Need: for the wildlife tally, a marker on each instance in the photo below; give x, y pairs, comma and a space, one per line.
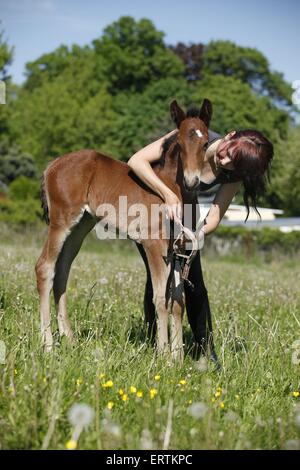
201, 365
81, 415
232, 417
146, 442
197, 410
110, 427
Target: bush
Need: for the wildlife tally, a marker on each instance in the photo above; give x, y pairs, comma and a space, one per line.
250, 241
17, 212
24, 188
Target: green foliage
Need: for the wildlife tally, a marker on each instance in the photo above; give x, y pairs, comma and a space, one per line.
115, 94
235, 106
248, 65
6, 55
24, 188
260, 240
23, 208
285, 183
135, 55
19, 212
144, 117
76, 69
14, 163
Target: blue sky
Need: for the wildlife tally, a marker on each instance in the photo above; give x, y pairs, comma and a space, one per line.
38, 26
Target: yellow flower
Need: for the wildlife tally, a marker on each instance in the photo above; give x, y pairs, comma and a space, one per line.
125, 397
222, 405
219, 389
189, 402
217, 394
132, 389
71, 444
121, 392
296, 394
16, 372
157, 378
45, 380
101, 376
213, 400
79, 381
139, 394
110, 405
182, 382
153, 393
108, 384
258, 390
237, 397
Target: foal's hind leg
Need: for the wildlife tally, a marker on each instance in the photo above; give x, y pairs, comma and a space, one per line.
45, 268
149, 307
67, 255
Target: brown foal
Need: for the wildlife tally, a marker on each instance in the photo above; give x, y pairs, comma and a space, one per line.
75, 189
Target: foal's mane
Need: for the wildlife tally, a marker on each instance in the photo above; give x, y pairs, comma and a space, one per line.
167, 149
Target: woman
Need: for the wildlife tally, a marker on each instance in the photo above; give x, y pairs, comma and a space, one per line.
241, 158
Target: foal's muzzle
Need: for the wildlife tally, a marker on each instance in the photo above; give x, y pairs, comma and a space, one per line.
191, 184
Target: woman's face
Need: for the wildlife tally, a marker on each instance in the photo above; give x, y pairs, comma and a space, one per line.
222, 154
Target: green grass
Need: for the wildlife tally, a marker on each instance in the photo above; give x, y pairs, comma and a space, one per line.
255, 309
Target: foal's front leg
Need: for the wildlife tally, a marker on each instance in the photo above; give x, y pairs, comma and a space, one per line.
164, 304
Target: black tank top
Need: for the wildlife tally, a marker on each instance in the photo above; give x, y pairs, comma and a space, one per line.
224, 176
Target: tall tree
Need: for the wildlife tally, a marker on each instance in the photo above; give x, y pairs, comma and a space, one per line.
6, 56
248, 65
236, 106
192, 57
135, 55
285, 182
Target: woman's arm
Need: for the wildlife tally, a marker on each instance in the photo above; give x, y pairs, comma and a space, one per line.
140, 163
219, 206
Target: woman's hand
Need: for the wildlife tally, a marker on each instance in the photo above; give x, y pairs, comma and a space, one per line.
173, 207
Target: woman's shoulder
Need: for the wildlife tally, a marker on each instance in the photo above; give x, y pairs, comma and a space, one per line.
212, 136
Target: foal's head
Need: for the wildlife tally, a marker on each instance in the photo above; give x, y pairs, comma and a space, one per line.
192, 139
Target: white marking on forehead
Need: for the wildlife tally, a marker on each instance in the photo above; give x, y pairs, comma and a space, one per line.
199, 133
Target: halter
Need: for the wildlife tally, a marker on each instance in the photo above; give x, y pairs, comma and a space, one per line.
182, 262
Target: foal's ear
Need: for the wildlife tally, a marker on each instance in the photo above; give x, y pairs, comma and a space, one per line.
206, 112
177, 114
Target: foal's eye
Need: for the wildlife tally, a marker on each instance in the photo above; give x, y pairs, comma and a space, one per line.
205, 146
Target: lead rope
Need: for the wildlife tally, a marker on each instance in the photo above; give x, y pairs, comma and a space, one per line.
182, 261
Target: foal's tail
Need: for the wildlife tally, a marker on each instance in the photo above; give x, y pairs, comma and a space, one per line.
44, 203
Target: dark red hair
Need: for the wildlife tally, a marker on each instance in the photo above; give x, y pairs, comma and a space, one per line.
251, 154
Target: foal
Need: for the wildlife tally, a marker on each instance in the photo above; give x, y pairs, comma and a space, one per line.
75, 188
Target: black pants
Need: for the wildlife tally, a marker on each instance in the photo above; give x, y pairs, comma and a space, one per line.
197, 305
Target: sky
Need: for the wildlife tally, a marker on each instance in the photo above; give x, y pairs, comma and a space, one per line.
35, 27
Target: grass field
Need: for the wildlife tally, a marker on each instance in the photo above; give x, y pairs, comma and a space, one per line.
253, 403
